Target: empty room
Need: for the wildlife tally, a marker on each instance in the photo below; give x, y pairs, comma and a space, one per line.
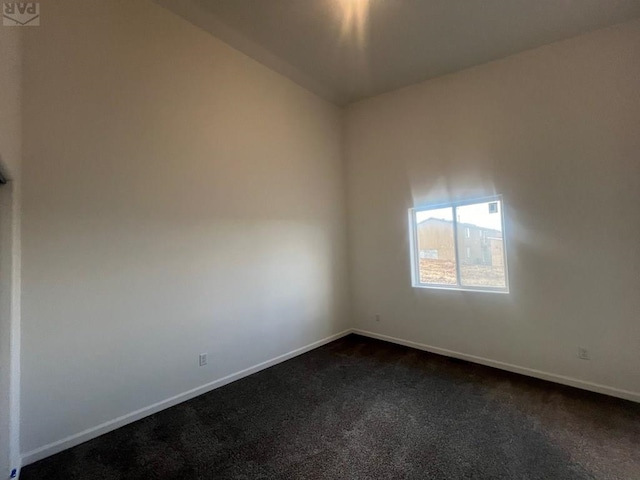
320, 239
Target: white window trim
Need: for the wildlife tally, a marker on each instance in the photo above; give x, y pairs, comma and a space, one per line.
415, 256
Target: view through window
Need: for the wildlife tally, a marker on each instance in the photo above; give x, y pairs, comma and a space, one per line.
460, 245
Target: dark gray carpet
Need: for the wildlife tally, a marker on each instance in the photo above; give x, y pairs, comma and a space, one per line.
364, 409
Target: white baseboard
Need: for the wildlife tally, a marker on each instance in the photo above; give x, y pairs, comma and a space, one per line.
78, 438
93, 432
572, 382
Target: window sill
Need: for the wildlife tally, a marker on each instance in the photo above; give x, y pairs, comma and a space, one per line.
462, 289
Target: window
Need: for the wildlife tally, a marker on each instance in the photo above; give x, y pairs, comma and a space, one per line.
460, 246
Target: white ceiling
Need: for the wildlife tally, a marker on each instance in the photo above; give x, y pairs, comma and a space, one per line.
345, 50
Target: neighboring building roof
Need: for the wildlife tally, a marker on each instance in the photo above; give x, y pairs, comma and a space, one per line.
461, 224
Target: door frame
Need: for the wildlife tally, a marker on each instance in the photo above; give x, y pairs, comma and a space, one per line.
9, 330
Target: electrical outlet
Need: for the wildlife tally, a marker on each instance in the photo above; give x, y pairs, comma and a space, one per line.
377, 317
202, 359
583, 353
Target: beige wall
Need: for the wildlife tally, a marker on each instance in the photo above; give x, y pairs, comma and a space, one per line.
179, 198
555, 130
10, 97
10, 158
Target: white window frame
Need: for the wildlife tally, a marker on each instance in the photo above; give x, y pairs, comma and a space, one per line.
415, 255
